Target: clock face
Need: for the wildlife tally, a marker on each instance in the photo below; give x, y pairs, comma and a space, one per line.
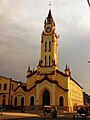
48, 29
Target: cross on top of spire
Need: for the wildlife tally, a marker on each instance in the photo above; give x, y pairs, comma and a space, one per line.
50, 4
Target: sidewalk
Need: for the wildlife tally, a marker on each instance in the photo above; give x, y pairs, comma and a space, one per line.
11, 115
18, 114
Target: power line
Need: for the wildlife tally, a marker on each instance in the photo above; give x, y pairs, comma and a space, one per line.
88, 3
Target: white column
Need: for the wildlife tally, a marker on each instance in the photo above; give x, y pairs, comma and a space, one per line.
53, 94
37, 94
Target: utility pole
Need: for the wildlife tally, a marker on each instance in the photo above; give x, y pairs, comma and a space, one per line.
88, 3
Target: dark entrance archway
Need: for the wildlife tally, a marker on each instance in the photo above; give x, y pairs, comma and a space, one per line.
22, 101
46, 98
32, 101
61, 101
15, 101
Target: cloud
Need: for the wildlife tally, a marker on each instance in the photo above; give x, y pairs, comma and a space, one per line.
18, 42
21, 24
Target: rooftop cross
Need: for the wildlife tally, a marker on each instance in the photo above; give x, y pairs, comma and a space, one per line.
50, 4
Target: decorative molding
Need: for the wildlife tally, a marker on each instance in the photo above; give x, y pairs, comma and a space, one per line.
32, 74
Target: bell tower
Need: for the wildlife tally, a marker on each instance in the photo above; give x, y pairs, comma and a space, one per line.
49, 47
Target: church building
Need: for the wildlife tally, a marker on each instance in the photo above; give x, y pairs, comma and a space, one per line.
47, 85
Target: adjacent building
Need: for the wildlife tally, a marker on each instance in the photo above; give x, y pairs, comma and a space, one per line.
7, 90
86, 99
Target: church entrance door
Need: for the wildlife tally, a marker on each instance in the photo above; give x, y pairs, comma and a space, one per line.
46, 98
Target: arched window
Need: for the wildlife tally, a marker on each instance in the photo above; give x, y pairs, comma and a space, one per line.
31, 101
15, 101
61, 101
45, 47
22, 101
45, 60
49, 45
49, 60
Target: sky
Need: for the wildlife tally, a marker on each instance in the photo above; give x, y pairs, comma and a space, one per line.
21, 25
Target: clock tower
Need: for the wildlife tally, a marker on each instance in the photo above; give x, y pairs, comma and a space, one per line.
49, 47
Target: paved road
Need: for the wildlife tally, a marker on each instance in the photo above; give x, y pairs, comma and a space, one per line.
23, 116
40, 117
60, 117
31, 116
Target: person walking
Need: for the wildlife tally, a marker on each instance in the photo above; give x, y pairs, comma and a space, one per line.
54, 112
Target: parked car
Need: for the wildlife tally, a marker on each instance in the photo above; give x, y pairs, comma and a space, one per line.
81, 112
47, 109
51, 110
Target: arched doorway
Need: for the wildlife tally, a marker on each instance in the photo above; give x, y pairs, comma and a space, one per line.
22, 101
31, 101
61, 101
15, 101
46, 98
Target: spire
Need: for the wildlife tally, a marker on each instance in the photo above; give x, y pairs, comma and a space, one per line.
67, 70
49, 19
49, 15
29, 68
66, 67
29, 71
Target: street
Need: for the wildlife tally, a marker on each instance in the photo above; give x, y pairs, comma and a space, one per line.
68, 116
37, 116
